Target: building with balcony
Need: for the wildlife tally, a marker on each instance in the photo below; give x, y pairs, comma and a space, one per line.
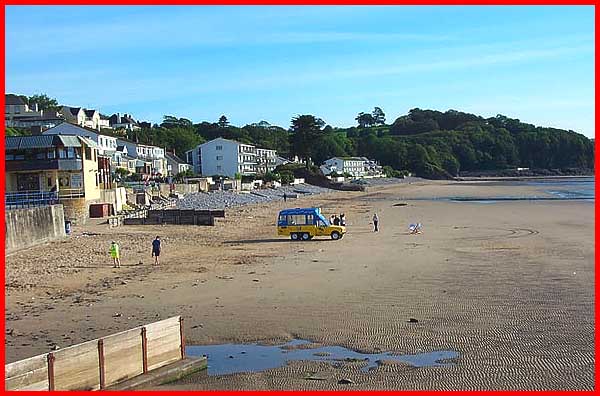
65, 164
266, 160
354, 166
223, 157
152, 157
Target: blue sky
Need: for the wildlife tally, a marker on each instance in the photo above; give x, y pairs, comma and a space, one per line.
272, 63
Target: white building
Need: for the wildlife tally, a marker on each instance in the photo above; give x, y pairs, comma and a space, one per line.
153, 154
354, 166
266, 160
224, 157
106, 144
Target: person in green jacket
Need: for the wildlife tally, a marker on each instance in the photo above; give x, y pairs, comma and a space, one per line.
114, 253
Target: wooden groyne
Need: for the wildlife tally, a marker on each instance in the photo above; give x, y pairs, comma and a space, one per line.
101, 363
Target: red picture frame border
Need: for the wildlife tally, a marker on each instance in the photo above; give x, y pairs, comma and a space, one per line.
314, 3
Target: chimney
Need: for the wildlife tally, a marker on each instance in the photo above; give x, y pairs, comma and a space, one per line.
34, 107
118, 118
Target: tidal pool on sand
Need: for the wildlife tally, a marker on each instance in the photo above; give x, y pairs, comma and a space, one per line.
244, 358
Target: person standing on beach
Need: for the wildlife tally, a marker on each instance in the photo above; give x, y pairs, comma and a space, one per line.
114, 253
156, 249
375, 223
331, 219
284, 197
342, 219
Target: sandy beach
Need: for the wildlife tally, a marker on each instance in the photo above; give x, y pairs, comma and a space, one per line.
509, 286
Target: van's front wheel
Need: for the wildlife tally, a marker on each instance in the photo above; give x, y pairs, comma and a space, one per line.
294, 236
335, 235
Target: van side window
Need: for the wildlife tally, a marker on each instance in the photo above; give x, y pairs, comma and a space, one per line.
309, 219
296, 219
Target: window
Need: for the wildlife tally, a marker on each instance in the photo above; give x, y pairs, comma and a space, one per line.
40, 155
219, 157
70, 152
88, 153
62, 153
51, 154
6, 109
297, 219
218, 167
219, 148
10, 157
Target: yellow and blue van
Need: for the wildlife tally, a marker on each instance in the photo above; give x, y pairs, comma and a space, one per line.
306, 223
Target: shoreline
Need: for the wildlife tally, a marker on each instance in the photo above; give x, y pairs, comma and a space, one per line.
522, 178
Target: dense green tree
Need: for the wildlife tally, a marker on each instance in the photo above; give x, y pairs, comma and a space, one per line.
365, 120
306, 130
44, 102
172, 122
223, 122
378, 116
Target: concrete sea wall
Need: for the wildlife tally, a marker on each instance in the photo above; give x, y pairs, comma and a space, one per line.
28, 227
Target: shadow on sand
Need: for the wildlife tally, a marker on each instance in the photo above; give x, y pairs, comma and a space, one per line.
248, 241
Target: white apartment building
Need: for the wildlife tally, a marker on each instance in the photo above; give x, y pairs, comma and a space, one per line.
266, 160
226, 157
355, 166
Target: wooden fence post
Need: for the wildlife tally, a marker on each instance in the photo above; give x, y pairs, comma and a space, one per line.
144, 351
50, 371
182, 346
101, 362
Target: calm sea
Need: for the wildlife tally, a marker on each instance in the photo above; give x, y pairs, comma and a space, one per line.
576, 188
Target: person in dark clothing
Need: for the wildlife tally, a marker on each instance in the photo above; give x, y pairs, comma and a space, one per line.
336, 221
343, 219
284, 197
156, 249
375, 223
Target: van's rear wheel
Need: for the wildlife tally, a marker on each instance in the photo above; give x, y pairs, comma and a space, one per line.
305, 236
335, 235
294, 236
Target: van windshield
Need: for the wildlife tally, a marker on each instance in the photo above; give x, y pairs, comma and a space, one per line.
322, 220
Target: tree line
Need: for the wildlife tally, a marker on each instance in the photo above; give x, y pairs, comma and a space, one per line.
430, 143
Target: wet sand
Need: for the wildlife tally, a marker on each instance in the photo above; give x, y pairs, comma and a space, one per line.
509, 286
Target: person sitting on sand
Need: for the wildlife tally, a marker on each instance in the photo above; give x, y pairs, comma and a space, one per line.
415, 228
114, 253
336, 221
342, 219
331, 219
